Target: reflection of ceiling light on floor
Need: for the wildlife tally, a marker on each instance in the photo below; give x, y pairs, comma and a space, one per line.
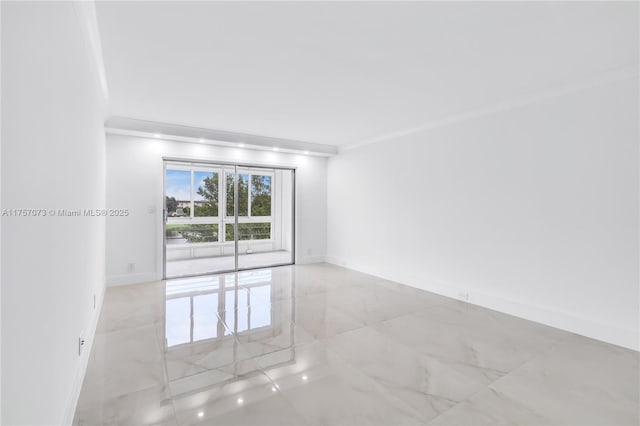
200, 414
240, 400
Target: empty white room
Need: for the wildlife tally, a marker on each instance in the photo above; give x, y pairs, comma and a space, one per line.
320, 213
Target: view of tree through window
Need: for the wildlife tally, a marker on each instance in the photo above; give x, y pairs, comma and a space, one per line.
205, 201
206, 194
197, 233
260, 195
243, 195
178, 192
172, 204
248, 231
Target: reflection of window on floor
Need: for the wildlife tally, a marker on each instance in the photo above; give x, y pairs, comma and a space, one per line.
260, 306
241, 310
178, 329
205, 322
188, 285
202, 309
191, 315
253, 308
247, 278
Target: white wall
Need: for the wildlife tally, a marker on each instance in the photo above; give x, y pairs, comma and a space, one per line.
53, 157
532, 210
134, 182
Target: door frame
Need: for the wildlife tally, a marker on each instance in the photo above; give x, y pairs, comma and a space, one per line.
236, 165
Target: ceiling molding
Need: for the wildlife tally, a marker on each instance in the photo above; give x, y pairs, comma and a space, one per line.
607, 77
176, 132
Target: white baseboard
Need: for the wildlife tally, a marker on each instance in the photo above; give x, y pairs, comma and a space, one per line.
70, 410
303, 260
126, 279
605, 332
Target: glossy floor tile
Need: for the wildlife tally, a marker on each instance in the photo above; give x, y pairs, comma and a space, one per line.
323, 345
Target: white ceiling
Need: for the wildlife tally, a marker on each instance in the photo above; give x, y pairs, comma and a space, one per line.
344, 73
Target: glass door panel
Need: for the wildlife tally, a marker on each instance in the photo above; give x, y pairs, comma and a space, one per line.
194, 226
213, 211
265, 235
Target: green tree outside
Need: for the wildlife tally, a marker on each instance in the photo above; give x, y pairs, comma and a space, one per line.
209, 191
243, 195
172, 204
260, 195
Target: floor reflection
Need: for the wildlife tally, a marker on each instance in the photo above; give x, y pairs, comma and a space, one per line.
317, 344
226, 328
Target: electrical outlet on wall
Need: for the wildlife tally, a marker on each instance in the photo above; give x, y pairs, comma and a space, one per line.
81, 343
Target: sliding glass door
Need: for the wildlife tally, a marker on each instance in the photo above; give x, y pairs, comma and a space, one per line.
226, 217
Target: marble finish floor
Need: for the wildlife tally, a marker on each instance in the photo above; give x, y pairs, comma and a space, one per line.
323, 345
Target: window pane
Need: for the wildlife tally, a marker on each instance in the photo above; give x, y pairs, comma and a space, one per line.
228, 232
249, 231
200, 233
178, 321
260, 195
205, 320
229, 192
206, 194
243, 195
178, 192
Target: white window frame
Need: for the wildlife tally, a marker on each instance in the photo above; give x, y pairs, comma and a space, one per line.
223, 219
249, 218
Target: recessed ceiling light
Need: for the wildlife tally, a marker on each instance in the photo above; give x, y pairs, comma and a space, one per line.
202, 140
241, 145
273, 389
240, 400
306, 152
200, 414
304, 377
156, 135
275, 148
